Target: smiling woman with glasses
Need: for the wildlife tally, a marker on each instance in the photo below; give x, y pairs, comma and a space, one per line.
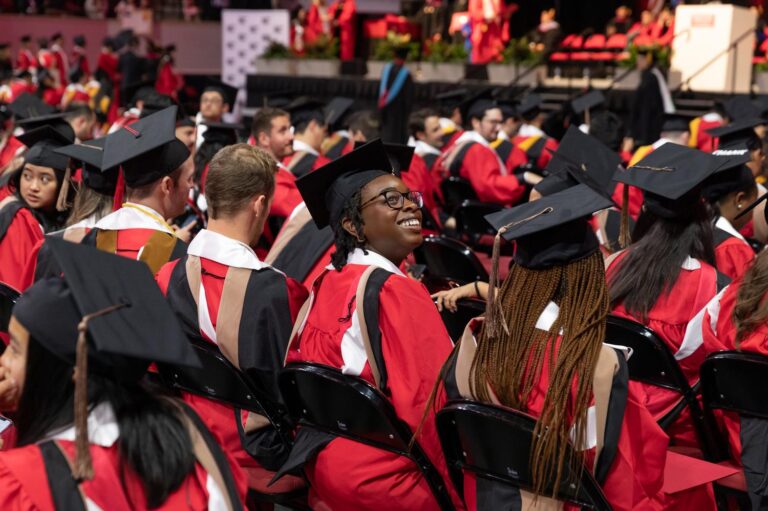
376, 222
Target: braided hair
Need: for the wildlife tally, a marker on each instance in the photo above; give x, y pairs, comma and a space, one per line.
344, 241
580, 291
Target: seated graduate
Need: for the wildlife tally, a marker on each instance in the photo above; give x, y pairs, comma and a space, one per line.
224, 295
729, 191
91, 434
38, 202
158, 178
93, 201
575, 386
376, 223
302, 251
667, 275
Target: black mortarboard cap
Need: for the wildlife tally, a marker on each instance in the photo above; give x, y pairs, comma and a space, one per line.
138, 91
671, 177
154, 102
452, 97
732, 175
4, 46
42, 143
507, 107
739, 107
79, 40
147, 149
737, 132
54, 120
581, 158
530, 105
327, 190
476, 104
221, 133
675, 122
588, 101
336, 110
227, 92
27, 105
90, 153
121, 343
553, 230
304, 109
400, 156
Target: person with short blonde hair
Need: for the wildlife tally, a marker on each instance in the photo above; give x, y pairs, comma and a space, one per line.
238, 303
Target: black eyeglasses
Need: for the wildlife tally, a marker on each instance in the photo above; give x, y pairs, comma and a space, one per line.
395, 199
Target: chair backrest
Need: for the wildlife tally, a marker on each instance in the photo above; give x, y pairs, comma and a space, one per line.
595, 42
495, 443
455, 191
323, 398
736, 381
642, 41
616, 42
217, 379
8, 297
651, 361
470, 219
567, 40
576, 42
466, 310
450, 259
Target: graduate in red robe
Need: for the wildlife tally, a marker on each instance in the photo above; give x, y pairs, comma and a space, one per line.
169, 80
344, 18
140, 449
158, 178
530, 138
558, 256
26, 60
310, 129
34, 206
318, 23
487, 34
730, 190
62, 61
667, 275
379, 241
471, 157
221, 282
107, 62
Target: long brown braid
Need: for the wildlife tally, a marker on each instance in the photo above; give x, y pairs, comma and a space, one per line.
499, 364
751, 309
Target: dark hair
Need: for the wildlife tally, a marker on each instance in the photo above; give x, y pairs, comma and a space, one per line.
654, 260
303, 120
262, 121
417, 120
50, 220
344, 241
203, 156
154, 442
366, 122
753, 142
607, 127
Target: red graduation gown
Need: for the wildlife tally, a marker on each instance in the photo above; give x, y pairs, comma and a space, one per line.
24, 483
347, 475
17, 244
700, 138
417, 178
345, 16
9, 150
733, 255
676, 317
487, 37
541, 155
481, 167
272, 302
301, 163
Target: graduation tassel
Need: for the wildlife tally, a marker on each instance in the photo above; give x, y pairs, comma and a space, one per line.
624, 238
83, 466
492, 308
61, 202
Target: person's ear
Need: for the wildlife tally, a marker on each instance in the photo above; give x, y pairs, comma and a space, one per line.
225, 108
260, 205
739, 199
475, 123
166, 185
349, 226
262, 139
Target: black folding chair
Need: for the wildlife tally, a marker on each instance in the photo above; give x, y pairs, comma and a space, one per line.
448, 260
217, 379
471, 225
495, 443
466, 310
455, 191
735, 381
652, 363
321, 398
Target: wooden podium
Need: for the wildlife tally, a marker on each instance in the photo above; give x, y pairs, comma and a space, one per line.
712, 49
